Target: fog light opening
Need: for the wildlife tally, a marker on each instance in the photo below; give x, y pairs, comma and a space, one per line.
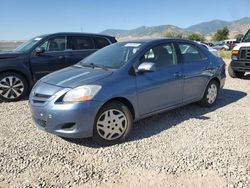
68, 126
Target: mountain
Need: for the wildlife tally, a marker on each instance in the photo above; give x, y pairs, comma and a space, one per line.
208, 27
205, 28
144, 31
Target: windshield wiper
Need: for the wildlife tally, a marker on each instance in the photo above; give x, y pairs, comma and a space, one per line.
92, 65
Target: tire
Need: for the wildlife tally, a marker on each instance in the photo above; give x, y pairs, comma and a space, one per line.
235, 74
113, 123
210, 96
13, 87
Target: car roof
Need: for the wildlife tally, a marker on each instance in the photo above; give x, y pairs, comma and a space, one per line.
76, 34
156, 40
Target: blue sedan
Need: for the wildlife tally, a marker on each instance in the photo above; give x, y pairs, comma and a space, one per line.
105, 93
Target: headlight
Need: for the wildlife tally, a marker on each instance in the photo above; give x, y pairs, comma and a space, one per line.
82, 93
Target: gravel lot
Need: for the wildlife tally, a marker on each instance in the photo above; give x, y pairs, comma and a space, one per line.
191, 146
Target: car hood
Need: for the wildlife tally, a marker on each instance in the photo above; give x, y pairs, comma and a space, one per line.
9, 54
73, 76
242, 44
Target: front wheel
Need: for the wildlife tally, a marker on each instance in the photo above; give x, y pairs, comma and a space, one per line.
210, 94
112, 124
13, 87
235, 74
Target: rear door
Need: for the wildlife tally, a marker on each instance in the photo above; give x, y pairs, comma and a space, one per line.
79, 47
52, 59
195, 64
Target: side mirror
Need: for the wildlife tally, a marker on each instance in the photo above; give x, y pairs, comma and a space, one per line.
146, 67
40, 50
238, 40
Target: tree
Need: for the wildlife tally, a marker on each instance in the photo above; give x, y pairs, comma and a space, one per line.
196, 37
238, 36
169, 35
173, 35
221, 34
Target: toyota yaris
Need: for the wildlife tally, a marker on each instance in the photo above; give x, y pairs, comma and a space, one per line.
105, 93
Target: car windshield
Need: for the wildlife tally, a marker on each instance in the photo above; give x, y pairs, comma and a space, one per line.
246, 37
26, 46
113, 56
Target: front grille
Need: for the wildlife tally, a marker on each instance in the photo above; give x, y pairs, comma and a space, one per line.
40, 122
40, 98
245, 53
42, 95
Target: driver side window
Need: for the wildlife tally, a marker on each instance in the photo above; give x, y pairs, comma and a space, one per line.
162, 55
54, 44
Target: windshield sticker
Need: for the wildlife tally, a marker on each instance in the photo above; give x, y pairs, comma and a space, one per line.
132, 44
37, 38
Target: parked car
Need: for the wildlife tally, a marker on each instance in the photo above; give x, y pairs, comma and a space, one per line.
22, 67
220, 46
212, 50
103, 94
240, 63
231, 43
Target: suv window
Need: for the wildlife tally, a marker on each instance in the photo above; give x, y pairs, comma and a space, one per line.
101, 42
190, 53
162, 55
80, 43
54, 44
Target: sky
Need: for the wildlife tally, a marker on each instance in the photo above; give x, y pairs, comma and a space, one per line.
24, 19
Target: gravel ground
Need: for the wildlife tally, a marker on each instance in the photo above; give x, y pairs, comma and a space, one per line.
187, 147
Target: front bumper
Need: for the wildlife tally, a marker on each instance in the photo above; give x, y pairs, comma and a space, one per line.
241, 66
74, 120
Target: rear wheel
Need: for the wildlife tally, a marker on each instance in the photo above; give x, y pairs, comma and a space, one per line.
113, 123
235, 74
13, 87
210, 94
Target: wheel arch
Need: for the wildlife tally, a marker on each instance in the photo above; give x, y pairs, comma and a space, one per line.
124, 101
27, 78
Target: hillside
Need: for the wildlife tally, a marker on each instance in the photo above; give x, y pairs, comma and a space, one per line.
205, 28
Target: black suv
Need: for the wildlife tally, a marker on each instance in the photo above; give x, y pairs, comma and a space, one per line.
22, 67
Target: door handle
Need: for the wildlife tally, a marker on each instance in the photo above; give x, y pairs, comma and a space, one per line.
177, 75
61, 57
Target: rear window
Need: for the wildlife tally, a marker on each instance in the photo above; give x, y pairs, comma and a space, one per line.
80, 43
101, 42
190, 53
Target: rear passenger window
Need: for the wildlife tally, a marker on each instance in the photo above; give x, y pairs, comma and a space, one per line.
190, 53
101, 42
80, 43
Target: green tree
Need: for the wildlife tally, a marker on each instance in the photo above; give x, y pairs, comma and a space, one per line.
238, 36
169, 35
196, 37
173, 35
221, 34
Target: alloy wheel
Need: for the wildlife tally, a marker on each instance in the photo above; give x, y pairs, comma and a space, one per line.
11, 87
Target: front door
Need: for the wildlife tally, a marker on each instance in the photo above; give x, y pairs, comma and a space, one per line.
163, 87
52, 59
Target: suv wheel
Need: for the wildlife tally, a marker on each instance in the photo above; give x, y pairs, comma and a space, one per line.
235, 74
113, 123
13, 87
210, 94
